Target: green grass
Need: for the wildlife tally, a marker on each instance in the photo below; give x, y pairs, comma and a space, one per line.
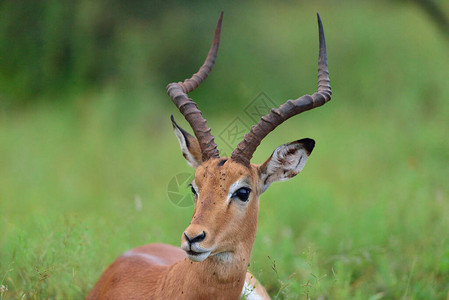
367, 218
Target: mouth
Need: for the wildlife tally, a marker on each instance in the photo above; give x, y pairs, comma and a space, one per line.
197, 256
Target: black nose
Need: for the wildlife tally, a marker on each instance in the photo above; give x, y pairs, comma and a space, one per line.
200, 237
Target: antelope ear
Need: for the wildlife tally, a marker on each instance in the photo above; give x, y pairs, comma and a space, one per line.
189, 145
285, 162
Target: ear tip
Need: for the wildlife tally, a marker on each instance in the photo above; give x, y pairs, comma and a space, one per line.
175, 125
308, 144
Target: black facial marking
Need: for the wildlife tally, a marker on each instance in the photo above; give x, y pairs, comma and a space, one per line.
222, 162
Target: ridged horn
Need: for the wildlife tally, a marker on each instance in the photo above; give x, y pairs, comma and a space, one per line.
178, 93
246, 148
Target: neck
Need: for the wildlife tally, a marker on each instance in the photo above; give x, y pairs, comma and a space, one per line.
220, 275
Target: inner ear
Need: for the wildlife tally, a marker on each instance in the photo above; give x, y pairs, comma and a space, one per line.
189, 145
285, 162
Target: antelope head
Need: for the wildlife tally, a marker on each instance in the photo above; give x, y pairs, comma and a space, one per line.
227, 190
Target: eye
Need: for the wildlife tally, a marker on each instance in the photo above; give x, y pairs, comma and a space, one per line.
242, 194
193, 190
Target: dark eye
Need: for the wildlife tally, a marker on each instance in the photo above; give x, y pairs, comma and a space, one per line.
242, 193
193, 190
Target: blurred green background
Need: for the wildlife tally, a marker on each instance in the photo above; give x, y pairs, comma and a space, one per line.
87, 150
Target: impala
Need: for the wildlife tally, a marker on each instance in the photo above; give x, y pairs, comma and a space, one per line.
216, 246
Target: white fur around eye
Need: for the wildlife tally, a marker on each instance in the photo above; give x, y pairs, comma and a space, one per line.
234, 187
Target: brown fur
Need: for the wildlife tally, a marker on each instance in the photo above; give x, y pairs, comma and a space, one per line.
229, 227
221, 234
